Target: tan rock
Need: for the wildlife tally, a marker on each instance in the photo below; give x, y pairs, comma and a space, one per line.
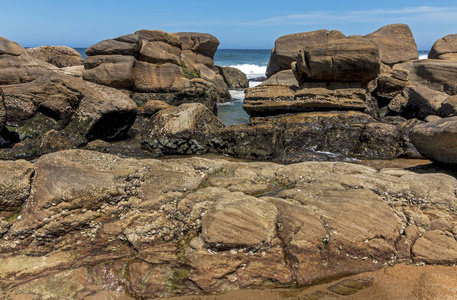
59, 56
110, 70
395, 42
444, 48
157, 52
15, 183
435, 247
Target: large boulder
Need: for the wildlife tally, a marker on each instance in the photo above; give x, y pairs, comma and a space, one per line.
66, 110
17, 66
437, 140
287, 47
444, 48
396, 44
350, 59
154, 64
189, 128
59, 56
233, 77
438, 75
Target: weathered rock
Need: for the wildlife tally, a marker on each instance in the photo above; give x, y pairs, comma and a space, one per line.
110, 70
265, 100
152, 106
388, 86
396, 43
444, 48
95, 224
157, 52
17, 66
233, 77
114, 46
158, 36
15, 180
59, 56
350, 59
287, 47
239, 221
189, 128
311, 136
165, 77
437, 140
203, 43
438, 75
78, 110
285, 77
2, 110
418, 102
448, 107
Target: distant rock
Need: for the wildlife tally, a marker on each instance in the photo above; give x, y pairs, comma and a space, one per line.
59, 56
444, 48
396, 44
287, 47
233, 77
437, 140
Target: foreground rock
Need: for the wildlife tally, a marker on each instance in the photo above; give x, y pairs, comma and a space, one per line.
155, 65
437, 140
96, 224
58, 112
59, 56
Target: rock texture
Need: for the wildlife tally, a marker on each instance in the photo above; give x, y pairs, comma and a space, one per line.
58, 112
444, 48
437, 140
59, 56
97, 225
233, 77
17, 66
155, 65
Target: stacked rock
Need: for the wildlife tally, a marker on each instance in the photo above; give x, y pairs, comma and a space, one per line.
155, 65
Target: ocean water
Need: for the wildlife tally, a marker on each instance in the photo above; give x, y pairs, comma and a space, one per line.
253, 62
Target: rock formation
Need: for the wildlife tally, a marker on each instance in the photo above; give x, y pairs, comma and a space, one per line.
59, 56
154, 65
234, 78
444, 48
93, 224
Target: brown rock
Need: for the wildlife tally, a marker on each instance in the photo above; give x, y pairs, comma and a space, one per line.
113, 47
59, 56
158, 78
153, 106
15, 183
437, 140
159, 36
448, 107
395, 42
287, 47
110, 70
444, 48
233, 77
239, 221
285, 77
157, 52
188, 128
435, 247
352, 59
203, 43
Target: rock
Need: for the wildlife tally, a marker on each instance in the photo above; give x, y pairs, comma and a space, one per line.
117, 46
285, 77
435, 74
15, 180
448, 107
158, 36
350, 59
436, 140
59, 56
152, 106
388, 86
2, 110
159, 77
78, 110
189, 128
17, 66
396, 44
75, 71
444, 48
233, 77
95, 224
418, 102
110, 70
311, 136
157, 52
265, 100
287, 47
203, 43
239, 221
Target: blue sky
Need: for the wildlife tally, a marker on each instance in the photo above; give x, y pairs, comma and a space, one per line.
237, 24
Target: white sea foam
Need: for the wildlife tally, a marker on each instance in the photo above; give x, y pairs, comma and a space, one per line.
251, 70
254, 83
423, 56
237, 94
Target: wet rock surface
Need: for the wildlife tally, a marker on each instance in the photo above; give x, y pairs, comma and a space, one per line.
96, 224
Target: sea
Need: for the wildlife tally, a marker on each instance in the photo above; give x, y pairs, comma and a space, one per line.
253, 62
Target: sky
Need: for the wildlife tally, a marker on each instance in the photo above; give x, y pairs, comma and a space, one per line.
237, 24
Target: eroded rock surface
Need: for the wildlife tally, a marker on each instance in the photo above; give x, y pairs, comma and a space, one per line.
97, 224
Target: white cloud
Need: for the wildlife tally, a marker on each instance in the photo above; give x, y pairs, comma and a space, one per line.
405, 15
